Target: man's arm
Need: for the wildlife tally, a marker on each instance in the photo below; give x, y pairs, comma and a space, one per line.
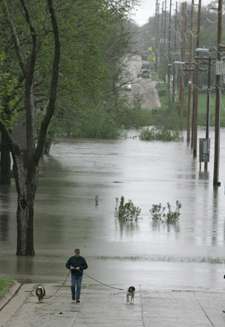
84, 264
68, 264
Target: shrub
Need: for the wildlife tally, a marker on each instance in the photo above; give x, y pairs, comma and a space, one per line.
160, 134
127, 211
165, 214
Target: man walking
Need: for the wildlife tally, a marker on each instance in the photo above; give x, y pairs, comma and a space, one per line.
76, 264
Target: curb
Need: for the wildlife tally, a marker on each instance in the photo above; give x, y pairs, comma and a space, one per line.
14, 289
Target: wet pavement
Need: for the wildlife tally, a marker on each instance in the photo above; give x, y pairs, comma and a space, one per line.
142, 90
189, 255
107, 307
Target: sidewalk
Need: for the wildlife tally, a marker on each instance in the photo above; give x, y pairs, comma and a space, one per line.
107, 308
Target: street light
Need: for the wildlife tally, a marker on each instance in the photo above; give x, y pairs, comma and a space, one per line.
195, 89
179, 64
202, 51
216, 182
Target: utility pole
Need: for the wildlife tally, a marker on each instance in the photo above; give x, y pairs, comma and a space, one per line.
161, 39
165, 61
175, 48
175, 27
169, 50
165, 24
195, 94
216, 182
157, 37
182, 53
208, 106
183, 29
190, 79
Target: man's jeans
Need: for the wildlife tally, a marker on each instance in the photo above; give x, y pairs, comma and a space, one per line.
75, 286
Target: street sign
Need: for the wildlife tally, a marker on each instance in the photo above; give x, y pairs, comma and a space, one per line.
220, 67
204, 150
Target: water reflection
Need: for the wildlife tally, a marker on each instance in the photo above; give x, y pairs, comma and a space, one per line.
50, 202
4, 226
25, 268
4, 213
203, 175
173, 228
214, 233
126, 229
159, 227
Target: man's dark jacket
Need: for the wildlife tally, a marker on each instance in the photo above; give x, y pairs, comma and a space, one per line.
76, 261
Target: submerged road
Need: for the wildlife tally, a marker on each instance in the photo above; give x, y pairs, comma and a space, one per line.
142, 91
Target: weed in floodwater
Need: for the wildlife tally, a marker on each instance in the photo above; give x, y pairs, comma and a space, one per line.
159, 134
127, 211
165, 214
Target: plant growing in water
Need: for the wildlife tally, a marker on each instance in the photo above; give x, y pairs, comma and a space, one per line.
158, 212
173, 216
159, 134
165, 214
127, 211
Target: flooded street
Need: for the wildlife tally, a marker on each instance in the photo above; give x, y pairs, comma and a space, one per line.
186, 256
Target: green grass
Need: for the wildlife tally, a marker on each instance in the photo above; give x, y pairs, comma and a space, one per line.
173, 117
202, 110
5, 284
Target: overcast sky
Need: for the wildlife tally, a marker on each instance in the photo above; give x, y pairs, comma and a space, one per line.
147, 9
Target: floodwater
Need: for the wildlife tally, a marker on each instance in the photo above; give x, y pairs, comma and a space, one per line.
189, 255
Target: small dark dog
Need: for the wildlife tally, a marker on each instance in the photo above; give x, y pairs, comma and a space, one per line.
40, 292
130, 294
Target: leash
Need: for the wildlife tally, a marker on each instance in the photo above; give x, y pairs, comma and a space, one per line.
102, 283
60, 287
65, 280
57, 290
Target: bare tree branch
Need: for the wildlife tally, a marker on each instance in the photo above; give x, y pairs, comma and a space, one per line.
50, 109
30, 69
32, 59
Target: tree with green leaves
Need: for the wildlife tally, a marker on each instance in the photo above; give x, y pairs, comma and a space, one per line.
89, 97
29, 26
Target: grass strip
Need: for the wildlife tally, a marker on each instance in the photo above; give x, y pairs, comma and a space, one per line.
5, 284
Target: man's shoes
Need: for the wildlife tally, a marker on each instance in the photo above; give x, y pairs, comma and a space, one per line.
77, 301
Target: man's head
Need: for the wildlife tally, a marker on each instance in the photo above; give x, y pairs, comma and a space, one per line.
77, 252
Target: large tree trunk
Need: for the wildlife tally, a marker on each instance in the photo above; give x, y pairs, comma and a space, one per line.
5, 169
25, 235
26, 188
